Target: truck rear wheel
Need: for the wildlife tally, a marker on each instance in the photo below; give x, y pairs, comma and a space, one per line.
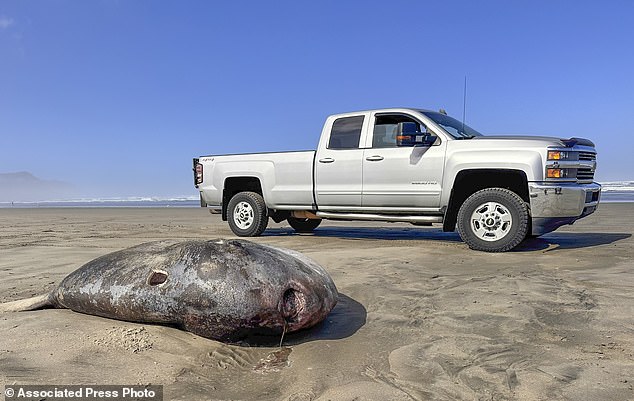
303, 225
247, 214
493, 220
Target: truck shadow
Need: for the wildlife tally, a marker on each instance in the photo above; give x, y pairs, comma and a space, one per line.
347, 317
550, 242
385, 233
554, 241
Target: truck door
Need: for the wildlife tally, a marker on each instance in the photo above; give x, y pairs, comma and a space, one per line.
338, 164
398, 172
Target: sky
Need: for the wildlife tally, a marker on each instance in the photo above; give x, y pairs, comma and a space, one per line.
117, 97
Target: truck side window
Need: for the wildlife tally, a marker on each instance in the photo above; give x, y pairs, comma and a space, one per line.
385, 130
346, 133
384, 136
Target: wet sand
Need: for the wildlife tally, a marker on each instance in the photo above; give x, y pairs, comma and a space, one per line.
421, 317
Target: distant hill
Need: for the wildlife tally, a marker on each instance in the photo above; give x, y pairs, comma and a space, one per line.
25, 187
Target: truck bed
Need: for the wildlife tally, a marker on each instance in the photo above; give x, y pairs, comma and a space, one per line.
290, 175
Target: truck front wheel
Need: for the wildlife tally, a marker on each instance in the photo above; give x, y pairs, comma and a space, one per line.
247, 214
303, 225
493, 220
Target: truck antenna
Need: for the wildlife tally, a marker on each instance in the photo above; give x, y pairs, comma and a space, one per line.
464, 103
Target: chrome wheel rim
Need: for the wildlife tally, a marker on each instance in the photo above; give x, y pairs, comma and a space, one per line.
491, 221
243, 215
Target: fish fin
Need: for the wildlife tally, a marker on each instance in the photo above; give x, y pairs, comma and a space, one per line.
22, 305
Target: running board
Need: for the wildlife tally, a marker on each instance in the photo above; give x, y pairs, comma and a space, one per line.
380, 217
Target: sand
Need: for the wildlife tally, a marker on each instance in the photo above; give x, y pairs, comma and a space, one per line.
421, 317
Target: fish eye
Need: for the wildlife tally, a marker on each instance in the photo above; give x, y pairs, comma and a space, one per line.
157, 278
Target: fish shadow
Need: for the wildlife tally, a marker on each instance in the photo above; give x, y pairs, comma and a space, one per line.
558, 241
346, 318
381, 233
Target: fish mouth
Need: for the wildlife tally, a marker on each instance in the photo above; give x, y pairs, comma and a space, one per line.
293, 306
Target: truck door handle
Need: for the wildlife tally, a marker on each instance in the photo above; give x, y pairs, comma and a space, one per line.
375, 158
326, 160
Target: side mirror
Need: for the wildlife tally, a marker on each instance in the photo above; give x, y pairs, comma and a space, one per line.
408, 135
416, 140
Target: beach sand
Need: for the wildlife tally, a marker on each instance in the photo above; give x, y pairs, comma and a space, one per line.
421, 317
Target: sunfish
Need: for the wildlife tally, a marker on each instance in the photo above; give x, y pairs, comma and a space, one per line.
219, 289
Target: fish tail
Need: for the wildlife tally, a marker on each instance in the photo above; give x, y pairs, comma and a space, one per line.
22, 305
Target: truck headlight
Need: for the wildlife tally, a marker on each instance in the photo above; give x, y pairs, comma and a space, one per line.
559, 155
554, 172
560, 172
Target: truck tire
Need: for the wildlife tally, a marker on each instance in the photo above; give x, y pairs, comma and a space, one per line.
247, 214
493, 220
303, 225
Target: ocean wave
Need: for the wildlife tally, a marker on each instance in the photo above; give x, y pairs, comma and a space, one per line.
617, 190
129, 199
617, 186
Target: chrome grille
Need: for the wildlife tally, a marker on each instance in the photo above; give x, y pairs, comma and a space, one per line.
585, 174
587, 156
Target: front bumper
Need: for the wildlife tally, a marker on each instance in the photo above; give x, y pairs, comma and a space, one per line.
556, 204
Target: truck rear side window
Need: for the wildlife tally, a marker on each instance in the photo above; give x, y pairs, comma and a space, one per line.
346, 133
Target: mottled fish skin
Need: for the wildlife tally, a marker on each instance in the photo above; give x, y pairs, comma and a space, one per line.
219, 289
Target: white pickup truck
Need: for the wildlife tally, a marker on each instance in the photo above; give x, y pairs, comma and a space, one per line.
408, 165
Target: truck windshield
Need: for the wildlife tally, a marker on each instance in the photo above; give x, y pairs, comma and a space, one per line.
454, 127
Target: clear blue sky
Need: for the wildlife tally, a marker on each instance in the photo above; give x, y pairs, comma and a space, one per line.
116, 97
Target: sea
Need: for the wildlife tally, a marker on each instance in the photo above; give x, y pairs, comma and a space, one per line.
615, 191
135, 201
